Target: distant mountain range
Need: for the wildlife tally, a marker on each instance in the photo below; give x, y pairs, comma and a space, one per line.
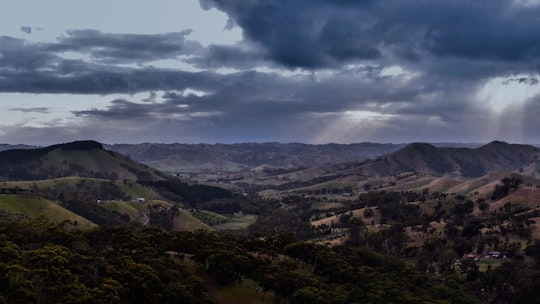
200, 158
369, 159
4, 147
213, 158
439, 161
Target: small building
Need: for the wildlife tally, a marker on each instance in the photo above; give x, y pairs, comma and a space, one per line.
494, 254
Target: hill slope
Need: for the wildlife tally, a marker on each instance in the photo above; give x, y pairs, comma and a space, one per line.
428, 159
81, 158
199, 158
33, 207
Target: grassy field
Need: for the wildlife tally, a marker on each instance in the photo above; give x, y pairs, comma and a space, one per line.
48, 183
244, 293
135, 190
34, 207
135, 210
208, 217
128, 188
237, 222
184, 221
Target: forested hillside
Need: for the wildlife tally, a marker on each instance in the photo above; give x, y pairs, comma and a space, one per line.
42, 263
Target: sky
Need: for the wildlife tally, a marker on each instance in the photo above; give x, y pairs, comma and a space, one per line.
229, 71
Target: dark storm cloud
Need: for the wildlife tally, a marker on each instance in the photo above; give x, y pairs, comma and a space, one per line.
307, 33
118, 109
266, 102
239, 56
393, 70
42, 67
16, 55
35, 69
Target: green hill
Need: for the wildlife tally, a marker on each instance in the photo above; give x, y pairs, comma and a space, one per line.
21, 206
81, 159
184, 221
126, 178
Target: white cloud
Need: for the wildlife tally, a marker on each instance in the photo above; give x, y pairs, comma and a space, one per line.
501, 92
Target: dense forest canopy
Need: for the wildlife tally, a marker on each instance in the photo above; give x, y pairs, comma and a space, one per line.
44, 263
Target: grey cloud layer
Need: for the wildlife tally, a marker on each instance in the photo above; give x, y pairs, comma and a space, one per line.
129, 48
335, 53
32, 110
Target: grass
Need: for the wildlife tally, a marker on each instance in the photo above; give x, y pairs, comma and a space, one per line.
483, 264
237, 222
135, 210
34, 207
323, 205
244, 293
135, 190
48, 183
184, 221
208, 217
128, 188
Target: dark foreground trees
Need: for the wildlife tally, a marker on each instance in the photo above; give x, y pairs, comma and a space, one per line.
42, 263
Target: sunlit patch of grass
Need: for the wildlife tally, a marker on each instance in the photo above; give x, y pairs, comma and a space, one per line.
184, 221
245, 293
237, 222
34, 207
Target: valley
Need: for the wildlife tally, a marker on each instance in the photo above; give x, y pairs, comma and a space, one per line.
462, 214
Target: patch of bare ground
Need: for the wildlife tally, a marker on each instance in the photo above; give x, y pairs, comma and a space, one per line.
482, 185
442, 184
535, 227
326, 205
414, 182
357, 213
527, 197
246, 292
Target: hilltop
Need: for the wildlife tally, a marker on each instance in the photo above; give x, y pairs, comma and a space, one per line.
212, 158
465, 162
414, 166
77, 179
80, 158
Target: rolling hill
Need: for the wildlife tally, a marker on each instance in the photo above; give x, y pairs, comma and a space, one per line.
422, 158
28, 207
414, 167
465, 162
81, 176
199, 158
80, 158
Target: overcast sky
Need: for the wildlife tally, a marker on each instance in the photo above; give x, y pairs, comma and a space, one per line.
313, 71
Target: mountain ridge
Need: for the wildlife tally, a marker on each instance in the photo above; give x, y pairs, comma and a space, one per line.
467, 162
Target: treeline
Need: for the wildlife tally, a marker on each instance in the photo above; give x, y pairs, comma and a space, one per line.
43, 263
179, 191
